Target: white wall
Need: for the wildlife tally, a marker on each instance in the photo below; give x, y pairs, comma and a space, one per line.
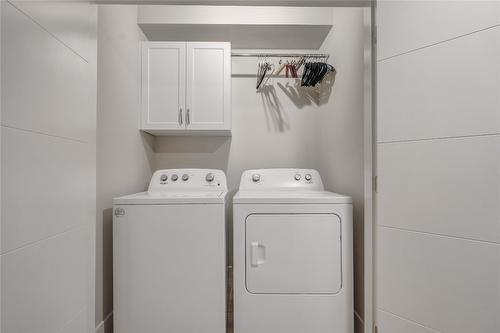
124, 155
48, 166
438, 231
341, 129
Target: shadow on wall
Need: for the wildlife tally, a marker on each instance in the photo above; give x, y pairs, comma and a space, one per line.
192, 152
307, 96
190, 144
148, 142
107, 257
300, 97
273, 109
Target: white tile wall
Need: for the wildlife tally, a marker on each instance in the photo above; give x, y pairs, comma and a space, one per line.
450, 89
438, 167
46, 86
448, 284
74, 30
47, 169
45, 285
42, 189
448, 186
411, 24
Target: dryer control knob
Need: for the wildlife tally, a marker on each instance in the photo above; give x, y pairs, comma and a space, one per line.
185, 177
210, 177
308, 177
297, 176
255, 177
164, 178
174, 177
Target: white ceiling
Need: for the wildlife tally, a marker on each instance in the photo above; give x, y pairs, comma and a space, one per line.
301, 3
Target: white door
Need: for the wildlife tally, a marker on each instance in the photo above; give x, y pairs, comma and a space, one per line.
163, 85
208, 86
293, 254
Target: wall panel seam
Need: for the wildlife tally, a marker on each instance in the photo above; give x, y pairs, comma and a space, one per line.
438, 43
439, 138
411, 321
439, 235
38, 241
45, 134
47, 31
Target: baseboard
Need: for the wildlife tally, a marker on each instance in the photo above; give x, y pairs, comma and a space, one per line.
359, 325
105, 326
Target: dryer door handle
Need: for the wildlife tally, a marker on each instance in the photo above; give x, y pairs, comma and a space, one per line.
257, 254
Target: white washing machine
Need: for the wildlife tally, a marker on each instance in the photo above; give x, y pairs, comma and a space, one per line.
169, 255
292, 254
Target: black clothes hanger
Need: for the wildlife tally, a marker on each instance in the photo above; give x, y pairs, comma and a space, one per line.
314, 73
262, 71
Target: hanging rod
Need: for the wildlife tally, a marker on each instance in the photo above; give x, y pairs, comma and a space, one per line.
282, 55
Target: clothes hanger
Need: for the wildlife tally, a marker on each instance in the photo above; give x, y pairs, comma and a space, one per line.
321, 70
282, 66
261, 72
306, 73
270, 67
300, 63
265, 67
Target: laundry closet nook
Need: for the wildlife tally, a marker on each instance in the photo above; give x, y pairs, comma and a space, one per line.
223, 87
265, 166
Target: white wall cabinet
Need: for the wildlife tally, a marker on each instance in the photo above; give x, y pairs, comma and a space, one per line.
186, 88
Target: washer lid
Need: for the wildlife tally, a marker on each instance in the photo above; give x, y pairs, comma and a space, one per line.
174, 197
290, 196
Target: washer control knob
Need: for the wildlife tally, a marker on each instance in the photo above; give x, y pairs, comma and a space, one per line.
174, 177
297, 176
163, 178
308, 177
185, 177
256, 177
210, 177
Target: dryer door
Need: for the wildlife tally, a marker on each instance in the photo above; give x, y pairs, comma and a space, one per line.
293, 254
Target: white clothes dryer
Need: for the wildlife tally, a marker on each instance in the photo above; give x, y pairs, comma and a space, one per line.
292, 254
169, 255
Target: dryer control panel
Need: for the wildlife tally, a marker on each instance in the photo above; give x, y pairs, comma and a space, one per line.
188, 179
265, 179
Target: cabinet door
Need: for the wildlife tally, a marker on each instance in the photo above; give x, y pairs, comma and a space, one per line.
163, 85
208, 86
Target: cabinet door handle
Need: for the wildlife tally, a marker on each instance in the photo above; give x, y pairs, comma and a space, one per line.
180, 117
188, 118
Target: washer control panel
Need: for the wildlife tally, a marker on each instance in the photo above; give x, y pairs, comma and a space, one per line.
261, 179
188, 179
